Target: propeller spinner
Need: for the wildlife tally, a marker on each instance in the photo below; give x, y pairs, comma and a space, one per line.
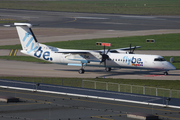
105, 55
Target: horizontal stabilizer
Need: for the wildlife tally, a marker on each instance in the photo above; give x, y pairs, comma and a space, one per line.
21, 24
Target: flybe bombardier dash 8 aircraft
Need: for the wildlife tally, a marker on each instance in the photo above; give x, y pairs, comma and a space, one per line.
116, 58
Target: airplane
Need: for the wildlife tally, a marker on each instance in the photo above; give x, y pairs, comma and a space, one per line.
116, 58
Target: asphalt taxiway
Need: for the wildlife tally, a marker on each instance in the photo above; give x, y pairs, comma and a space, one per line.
19, 68
92, 21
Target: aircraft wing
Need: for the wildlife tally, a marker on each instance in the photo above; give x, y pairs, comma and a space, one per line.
75, 52
123, 49
95, 51
128, 48
84, 56
79, 52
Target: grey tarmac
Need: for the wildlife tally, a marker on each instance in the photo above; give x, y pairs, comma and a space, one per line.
45, 106
19, 68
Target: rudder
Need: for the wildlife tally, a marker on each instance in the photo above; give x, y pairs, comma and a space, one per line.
27, 38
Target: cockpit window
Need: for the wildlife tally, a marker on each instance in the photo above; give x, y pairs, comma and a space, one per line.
159, 59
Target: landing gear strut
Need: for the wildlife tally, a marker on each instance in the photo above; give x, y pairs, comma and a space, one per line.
166, 73
81, 71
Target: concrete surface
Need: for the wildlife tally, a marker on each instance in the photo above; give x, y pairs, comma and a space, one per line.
18, 68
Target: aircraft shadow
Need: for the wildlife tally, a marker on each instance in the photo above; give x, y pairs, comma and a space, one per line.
117, 72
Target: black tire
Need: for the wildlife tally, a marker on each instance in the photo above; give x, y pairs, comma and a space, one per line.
165, 73
108, 69
81, 71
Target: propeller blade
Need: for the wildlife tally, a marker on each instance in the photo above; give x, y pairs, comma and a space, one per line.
107, 51
104, 56
104, 50
134, 49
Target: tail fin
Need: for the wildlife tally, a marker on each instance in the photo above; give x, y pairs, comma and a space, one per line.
27, 38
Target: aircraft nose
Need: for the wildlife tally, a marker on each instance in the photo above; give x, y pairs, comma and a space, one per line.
171, 67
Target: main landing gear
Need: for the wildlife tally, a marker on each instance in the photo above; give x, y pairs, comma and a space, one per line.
166, 73
108, 69
81, 71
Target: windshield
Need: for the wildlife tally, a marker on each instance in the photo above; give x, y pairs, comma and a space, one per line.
159, 59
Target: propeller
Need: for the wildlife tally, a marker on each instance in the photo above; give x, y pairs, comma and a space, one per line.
104, 57
134, 49
132, 52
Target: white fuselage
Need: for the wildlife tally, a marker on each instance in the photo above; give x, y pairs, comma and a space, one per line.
117, 60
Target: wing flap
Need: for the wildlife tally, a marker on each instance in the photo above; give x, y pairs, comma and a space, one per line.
66, 52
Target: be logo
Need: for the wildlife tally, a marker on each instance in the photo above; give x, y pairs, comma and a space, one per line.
137, 61
45, 55
133, 60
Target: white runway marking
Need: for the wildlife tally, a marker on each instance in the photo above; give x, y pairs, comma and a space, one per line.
91, 18
134, 16
18, 16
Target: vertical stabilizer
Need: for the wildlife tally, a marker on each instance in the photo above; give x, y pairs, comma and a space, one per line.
27, 38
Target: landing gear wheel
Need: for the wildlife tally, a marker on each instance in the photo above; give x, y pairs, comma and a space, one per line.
108, 69
81, 71
166, 73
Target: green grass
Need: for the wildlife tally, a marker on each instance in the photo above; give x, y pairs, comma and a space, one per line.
141, 7
18, 46
23, 58
76, 82
125, 84
6, 21
162, 42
